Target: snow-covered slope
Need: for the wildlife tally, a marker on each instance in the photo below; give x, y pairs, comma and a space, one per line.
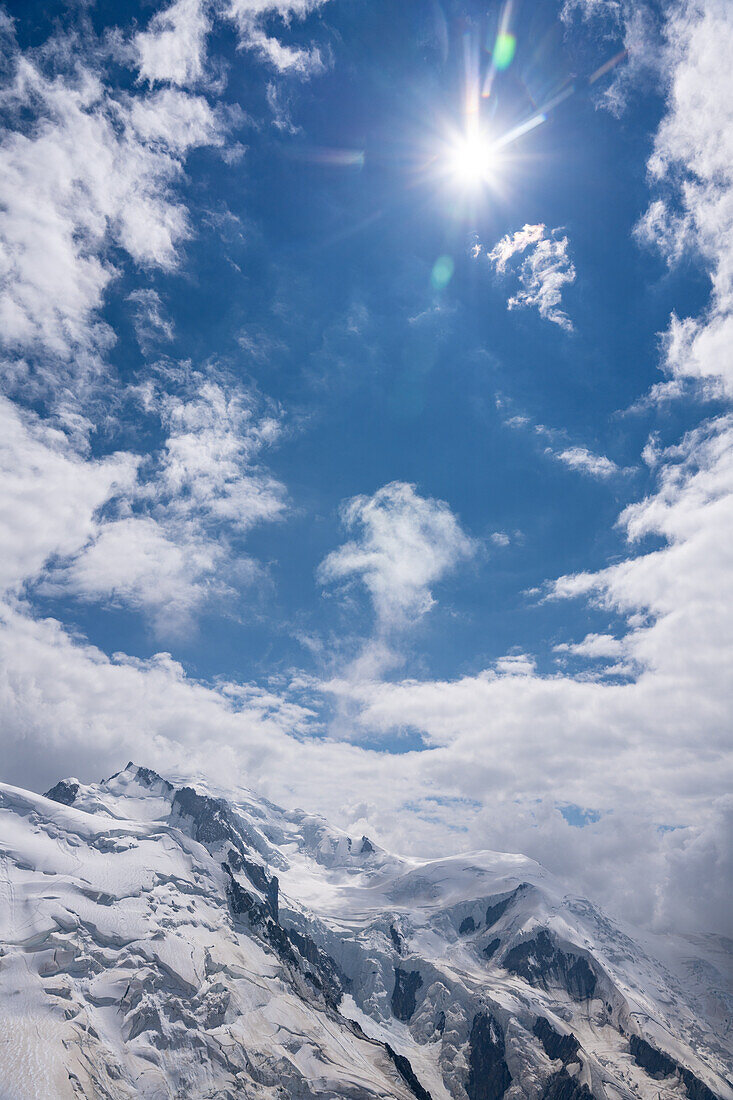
160, 940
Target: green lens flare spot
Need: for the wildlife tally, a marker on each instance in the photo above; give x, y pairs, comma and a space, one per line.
504, 49
442, 272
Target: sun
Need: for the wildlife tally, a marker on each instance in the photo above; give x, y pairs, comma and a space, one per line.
472, 159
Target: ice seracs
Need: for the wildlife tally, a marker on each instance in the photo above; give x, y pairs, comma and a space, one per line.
160, 938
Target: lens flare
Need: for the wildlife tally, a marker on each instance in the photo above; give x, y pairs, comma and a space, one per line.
442, 272
504, 49
472, 159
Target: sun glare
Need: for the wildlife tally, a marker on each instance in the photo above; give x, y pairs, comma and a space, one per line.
472, 159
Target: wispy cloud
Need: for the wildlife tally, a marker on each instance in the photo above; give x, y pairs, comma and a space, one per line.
574, 456
544, 269
580, 458
251, 18
151, 325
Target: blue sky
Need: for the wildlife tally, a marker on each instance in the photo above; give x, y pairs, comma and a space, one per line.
385, 460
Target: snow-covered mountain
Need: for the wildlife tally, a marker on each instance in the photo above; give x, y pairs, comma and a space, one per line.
159, 940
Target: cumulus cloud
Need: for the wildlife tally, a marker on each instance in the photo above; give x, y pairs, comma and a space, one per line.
593, 645
692, 168
406, 543
543, 271
132, 562
173, 48
165, 546
88, 171
49, 496
209, 464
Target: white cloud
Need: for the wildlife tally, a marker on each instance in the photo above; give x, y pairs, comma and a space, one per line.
594, 645
406, 544
574, 457
580, 458
251, 18
510, 246
543, 271
209, 464
89, 171
173, 48
692, 166
134, 562
151, 324
165, 547
49, 496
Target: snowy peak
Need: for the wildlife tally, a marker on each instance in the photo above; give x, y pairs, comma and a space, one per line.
162, 938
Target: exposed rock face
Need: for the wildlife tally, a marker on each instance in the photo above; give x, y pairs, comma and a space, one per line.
561, 1086
555, 1044
149, 778
467, 925
408, 1074
396, 938
495, 912
489, 1076
209, 816
406, 985
540, 962
658, 1065
649, 1058
64, 792
491, 947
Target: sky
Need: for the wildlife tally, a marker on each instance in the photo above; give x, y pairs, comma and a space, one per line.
365, 420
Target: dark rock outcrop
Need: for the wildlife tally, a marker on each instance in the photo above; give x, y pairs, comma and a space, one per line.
489, 1076
295, 948
658, 1064
209, 816
498, 909
491, 947
255, 872
540, 962
149, 778
406, 985
556, 1045
366, 846
64, 792
396, 938
468, 924
561, 1086
407, 1074
332, 980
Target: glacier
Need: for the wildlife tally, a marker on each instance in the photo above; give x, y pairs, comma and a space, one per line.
160, 938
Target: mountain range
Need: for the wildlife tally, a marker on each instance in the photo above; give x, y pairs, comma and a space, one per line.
163, 938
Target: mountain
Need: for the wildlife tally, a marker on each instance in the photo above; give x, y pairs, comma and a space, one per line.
162, 940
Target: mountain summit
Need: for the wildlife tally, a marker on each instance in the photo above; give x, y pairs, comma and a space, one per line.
162, 940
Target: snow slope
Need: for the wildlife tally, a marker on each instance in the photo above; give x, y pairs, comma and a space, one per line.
159, 940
